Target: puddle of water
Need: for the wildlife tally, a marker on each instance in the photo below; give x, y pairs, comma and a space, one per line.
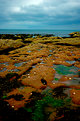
21, 88
19, 64
4, 69
57, 76
49, 55
39, 49
71, 51
50, 51
71, 82
74, 81
68, 71
42, 62
34, 66
16, 70
54, 81
70, 62
5, 63
56, 57
41, 59
64, 70
29, 51
75, 69
73, 54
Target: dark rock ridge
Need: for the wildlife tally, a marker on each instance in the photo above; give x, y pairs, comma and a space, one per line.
22, 36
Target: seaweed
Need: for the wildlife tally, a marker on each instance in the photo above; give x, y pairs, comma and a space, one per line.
27, 109
56, 79
39, 111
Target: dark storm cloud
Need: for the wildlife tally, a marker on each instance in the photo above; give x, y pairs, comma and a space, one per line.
40, 13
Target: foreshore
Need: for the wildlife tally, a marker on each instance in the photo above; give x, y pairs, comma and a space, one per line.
40, 73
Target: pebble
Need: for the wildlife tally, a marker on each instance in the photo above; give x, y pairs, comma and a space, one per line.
28, 76
70, 78
12, 106
74, 93
53, 83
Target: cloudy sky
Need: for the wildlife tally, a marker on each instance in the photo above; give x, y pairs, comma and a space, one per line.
40, 14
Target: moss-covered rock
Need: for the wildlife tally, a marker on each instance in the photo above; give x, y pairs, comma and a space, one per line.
75, 34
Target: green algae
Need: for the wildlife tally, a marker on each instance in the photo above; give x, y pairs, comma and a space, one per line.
4, 69
27, 109
39, 112
53, 102
56, 79
18, 64
64, 70
4, 97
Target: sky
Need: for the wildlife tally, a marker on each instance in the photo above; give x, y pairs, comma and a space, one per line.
40, 14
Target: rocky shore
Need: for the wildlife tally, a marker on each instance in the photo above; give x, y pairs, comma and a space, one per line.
40, 77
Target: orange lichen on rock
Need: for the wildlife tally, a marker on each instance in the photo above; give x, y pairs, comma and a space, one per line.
10, 67
4, 58
25, 67
44, 71
35, 61
34, 81
75, 95
49, 61
34, 65
77, 64
55, 85
3, 72
62, 62
74, 86
42, 53
1, 67
65, 78
26, 92
39, 77
16, 104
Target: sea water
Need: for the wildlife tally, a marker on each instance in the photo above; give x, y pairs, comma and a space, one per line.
61, 33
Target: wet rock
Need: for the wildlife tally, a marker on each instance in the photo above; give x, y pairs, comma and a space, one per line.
65, 78
43, 62
75, 95
75, 34
15, 102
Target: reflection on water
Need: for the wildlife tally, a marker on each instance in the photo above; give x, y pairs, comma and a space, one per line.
4, 69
